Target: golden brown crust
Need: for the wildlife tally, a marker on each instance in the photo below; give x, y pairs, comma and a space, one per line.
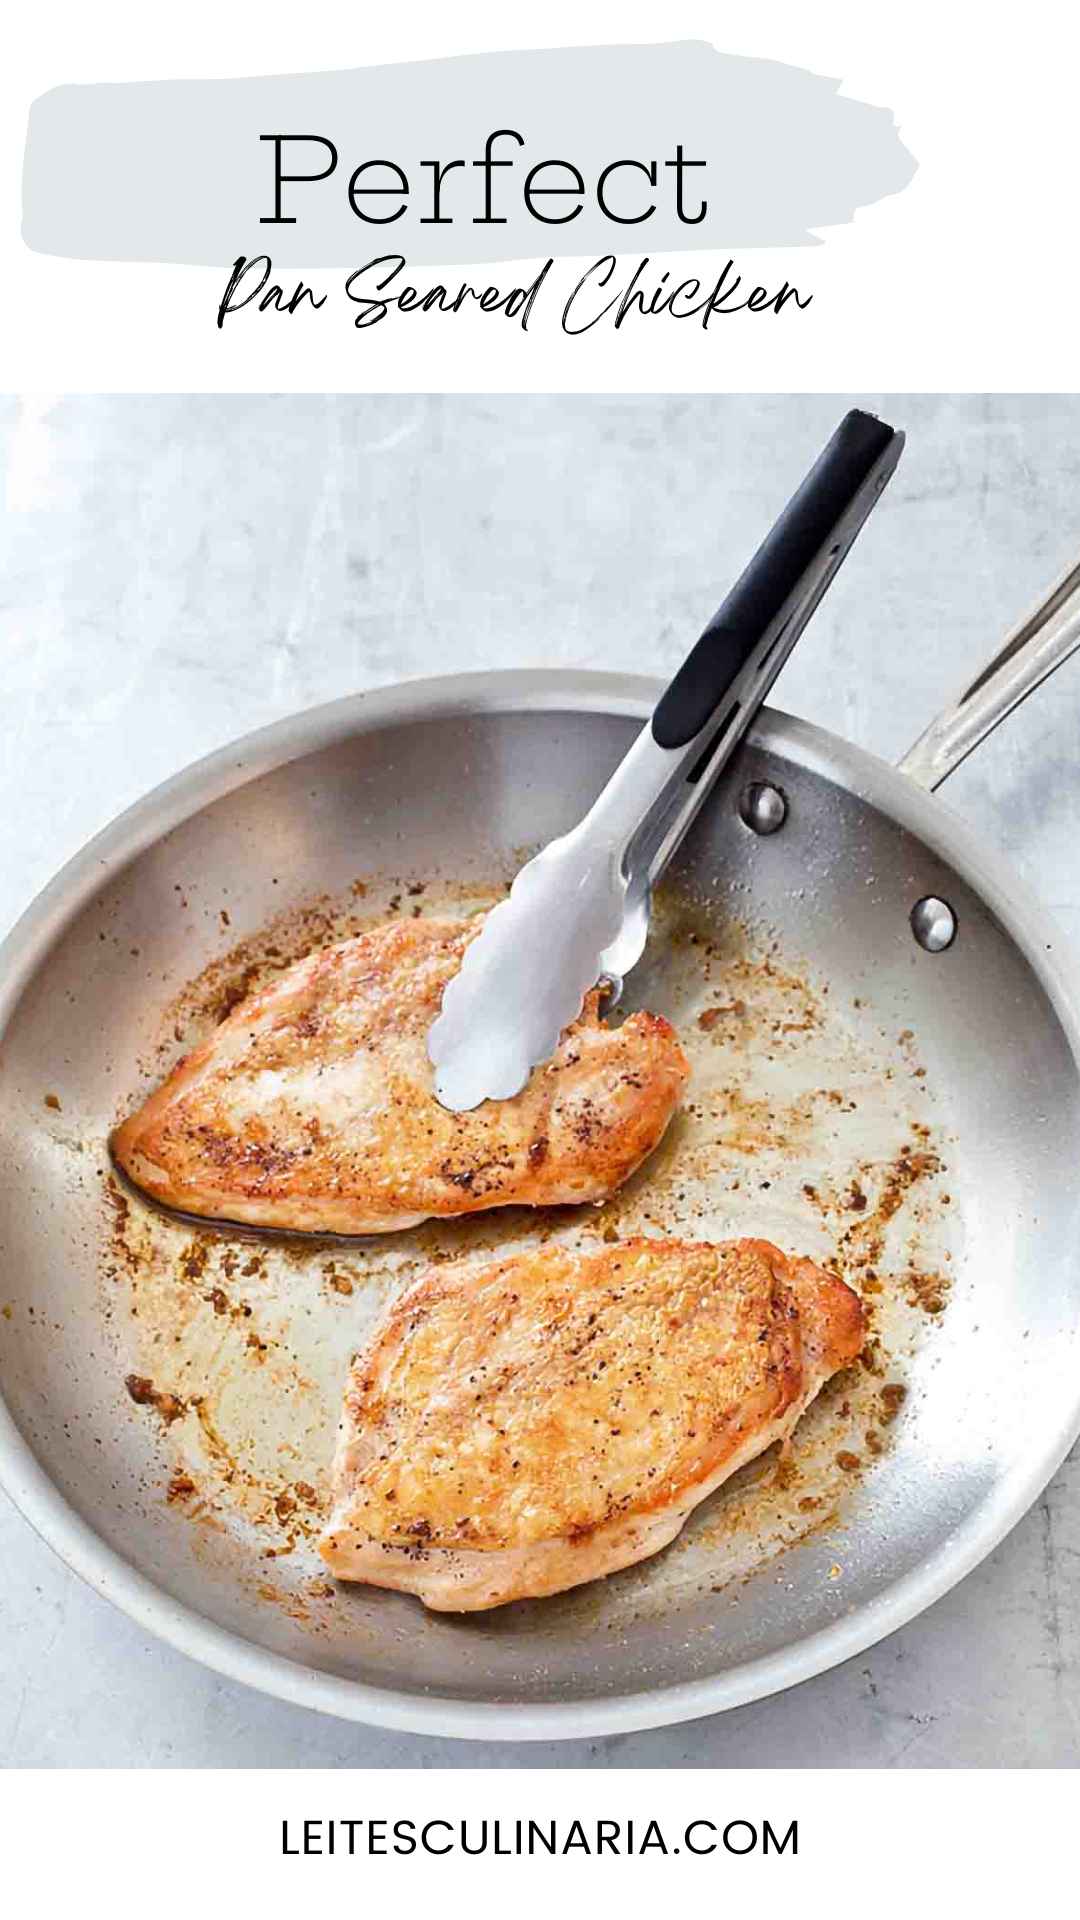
311, 1107
517, 1427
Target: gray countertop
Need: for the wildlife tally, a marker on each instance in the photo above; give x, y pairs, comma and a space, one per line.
175, 571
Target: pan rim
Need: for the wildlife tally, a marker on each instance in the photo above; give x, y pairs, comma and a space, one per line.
232, 766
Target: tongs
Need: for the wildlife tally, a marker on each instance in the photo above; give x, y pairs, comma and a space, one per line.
578, 913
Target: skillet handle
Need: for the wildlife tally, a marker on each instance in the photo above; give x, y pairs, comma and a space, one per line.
1032, 650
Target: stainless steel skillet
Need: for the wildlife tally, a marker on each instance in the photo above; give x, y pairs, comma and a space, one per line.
452, 775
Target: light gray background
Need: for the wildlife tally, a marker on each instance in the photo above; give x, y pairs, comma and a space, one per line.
175, 571
83, 197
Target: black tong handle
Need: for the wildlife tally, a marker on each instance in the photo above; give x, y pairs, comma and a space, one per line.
812, 519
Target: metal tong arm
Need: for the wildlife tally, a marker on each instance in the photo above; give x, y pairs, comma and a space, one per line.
1032, 650
657, 790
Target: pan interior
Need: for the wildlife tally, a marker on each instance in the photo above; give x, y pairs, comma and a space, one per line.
914, 1118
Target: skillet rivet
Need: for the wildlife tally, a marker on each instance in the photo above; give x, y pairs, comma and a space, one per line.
762, 808
933, 923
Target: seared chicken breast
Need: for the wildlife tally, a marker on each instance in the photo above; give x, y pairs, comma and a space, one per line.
517, 1427
312, 1106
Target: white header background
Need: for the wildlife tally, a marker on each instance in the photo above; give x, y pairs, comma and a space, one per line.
967, 280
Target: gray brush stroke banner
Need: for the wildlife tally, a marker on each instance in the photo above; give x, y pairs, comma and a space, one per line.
175, 170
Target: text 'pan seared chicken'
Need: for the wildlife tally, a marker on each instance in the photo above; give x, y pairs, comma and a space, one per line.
515, 1428
312, 1106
